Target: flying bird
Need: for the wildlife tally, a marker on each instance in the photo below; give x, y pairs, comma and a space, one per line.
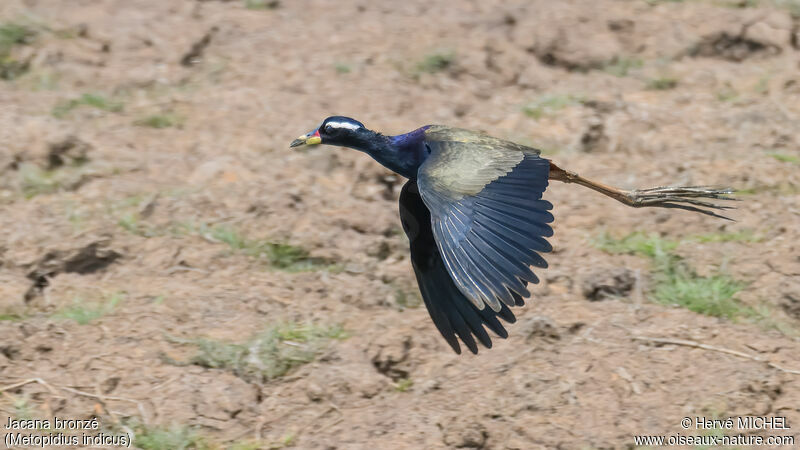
473, 212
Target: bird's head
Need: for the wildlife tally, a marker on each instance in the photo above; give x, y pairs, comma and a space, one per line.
336, 130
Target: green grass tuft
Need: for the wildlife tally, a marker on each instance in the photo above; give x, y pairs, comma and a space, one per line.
783, 157
342, 68
159, 121
262, 4
643, 244
36, 181
436, 62
10, 317
11, 35
735, 236
174, 437
96, 101
85, 312
268, 355
278, 255
404, 385
549, 104
662, 84
728, 94
738, 4
678, 284
781, 188
22, 408
621, 66
675, 282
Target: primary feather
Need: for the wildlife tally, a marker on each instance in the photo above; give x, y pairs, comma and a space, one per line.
452, 313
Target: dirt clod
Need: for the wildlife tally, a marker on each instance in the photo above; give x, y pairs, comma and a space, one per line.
603, 284
94, 257
540, 328
68, 151
392, 359
736, 48
195, 54
465, 434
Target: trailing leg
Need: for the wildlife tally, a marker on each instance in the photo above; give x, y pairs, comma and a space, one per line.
690, 198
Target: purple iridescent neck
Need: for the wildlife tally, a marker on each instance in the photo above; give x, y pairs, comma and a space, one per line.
410, 147
402, 154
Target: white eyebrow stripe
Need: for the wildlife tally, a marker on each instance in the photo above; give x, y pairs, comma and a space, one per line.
348, 125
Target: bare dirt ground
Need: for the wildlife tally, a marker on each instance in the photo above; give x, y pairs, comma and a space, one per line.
144, 175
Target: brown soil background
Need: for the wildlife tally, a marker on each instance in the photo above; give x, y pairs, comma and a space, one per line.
570, 375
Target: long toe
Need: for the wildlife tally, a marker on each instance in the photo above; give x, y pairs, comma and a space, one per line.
684, 197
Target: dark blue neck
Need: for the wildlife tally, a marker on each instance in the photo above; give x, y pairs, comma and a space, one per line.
402, 154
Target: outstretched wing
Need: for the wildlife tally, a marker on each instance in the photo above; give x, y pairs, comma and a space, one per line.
487, 213
451, 312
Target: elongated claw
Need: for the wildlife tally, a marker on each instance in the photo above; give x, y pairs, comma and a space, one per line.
682, 197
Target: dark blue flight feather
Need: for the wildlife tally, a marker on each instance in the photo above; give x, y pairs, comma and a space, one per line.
452, 313
488, 240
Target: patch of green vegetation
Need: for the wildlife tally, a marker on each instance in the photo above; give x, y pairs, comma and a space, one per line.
127, 212
22, 407
639, 243
174, 437
727, 94
262, 4
662, 84
621, 66
11, 35
403, 299
436, 62
159, 121
36, 181
404, 384
678, 284
266, 356
247, 445
734, 236
783, 157
675, 282
33, 180
278, 255
11, 317
132, 224
783, 187
764, 316
738, 4
342, 68
91, 100
84, 312
549, 104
